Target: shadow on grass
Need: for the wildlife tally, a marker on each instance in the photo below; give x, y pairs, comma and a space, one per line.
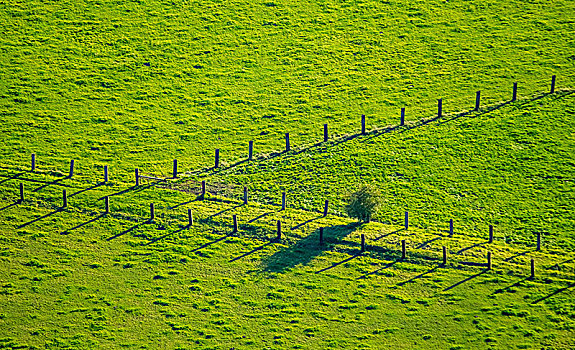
87, 189
388, 234
82, 224
306, 249
128, 230
168, 234
212, 242
339, 263
424, 244
306, 222
260, 217
252, 251
418, 276
225, 210
557, 266
183, 203
51, 183
40, 218
516, 255
516, 284
560, 290
378, 270
465, 280
471, 247
10, 206
130, 189
8, 178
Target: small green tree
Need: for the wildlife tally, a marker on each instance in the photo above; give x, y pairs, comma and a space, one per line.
364, 203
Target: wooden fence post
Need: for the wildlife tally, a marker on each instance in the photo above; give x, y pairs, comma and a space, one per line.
325, 207
489, 264
451, 227
106, 173
403, 249
107, 204
324, 132
321, 235
283, 201
33, 161
538, 241
532, 269
406, 221
71, 169
21, 193
152, 213
137, 173
250, 150
279, 231
235, 223
514, 92
477, 100
287, 142
552, 84
444, 256
64, 199
490, 233
217, 160
362, 242
245, 195
175, 169
363, 124
190, 218
402, 120
439, 108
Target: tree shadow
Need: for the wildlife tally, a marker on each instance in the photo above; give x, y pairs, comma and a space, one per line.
82, 224
465, 280
306, 249
516, 255
560, 290
40, 218
252, 251
418, 276
87, 189
128, 230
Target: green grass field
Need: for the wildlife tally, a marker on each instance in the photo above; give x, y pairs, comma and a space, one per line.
138, 84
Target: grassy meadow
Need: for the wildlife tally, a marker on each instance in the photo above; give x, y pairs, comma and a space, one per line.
136, 84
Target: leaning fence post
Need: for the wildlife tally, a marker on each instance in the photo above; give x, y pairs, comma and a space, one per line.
250, 150
489, 265
451, 227
532, 269
279, 230
406, 221
403, 253
444, 256
439, 107
105, 173
477, 100
490, 233
245, 195
402, 119
514, 92
538, 241
321, 235
363, 124
362, 242
190, 217
283, 201
235, 223
203, 189
324, 132
33, 161
64, 199
175, 169
152, 213
137, 173
21, 193
71, 169
325, 207
217, 160
287, 142
552, 84
107, 204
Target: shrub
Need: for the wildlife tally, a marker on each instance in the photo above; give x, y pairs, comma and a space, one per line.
364, 203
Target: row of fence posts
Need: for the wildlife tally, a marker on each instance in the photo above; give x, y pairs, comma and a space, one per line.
363, 122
